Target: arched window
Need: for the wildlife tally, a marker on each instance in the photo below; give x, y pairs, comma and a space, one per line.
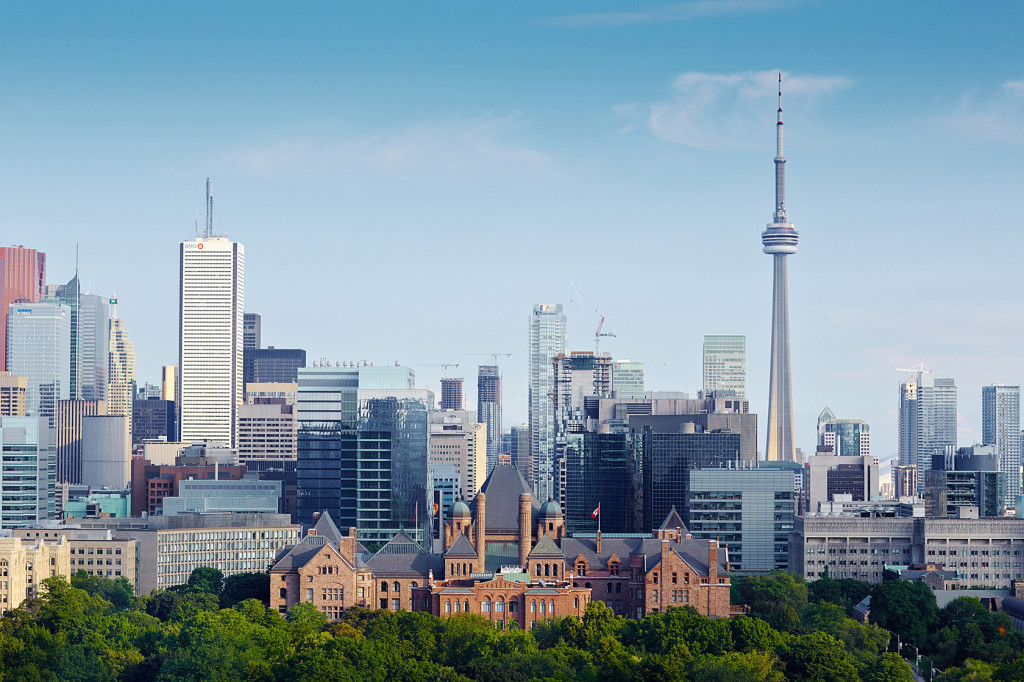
547, 570
533, 607
283, 594
485, 606
538, 569
458, 606
581, 568
396, 586
448, 606
551, 606
554, 570
383, 587
467, 606
500, 606
415, 584
609, 588
3, 566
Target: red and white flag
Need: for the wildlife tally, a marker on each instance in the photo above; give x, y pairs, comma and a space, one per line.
597, 512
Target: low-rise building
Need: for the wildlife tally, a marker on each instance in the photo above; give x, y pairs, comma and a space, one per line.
25, 564
985, 553
171, 547
96, 551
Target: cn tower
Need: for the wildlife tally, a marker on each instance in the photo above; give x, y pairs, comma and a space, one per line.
779, 240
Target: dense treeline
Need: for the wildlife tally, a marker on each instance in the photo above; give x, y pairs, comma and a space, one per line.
94, 629
964, 640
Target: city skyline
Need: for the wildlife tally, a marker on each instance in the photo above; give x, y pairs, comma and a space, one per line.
519, 159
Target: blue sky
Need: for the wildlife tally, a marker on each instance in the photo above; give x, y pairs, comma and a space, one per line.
409, 178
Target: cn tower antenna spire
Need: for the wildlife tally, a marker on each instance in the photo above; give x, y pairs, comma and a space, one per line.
780, 166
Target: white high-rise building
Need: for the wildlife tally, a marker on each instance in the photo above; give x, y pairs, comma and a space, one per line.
725, 363
927, 421
211, 304
120, 369
547, 339
1000, 426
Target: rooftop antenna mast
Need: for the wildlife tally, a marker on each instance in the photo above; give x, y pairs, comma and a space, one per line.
209, 211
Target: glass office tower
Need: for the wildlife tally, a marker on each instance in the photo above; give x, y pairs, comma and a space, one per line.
602, 468
38, 343
28, 469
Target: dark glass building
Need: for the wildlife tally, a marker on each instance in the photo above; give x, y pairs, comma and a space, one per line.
277, 365
153, 419
251, 323
667, 460
602, 468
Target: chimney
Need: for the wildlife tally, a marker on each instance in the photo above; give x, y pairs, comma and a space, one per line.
481, 530
524, 528
712, 562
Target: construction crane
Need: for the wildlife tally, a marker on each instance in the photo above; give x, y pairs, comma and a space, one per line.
598, 335
600, 325
494, 355
443, 365
919, 367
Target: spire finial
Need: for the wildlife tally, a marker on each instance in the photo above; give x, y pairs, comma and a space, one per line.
780, 166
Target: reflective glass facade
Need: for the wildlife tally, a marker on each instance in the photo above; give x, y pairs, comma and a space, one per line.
38, 339
667, 461
272, 365
28, 471
603, 468
750, 511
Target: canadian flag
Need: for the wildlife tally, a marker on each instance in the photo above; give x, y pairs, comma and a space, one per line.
597, 512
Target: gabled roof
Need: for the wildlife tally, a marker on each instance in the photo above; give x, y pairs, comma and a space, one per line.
693, 552
402, 543
503, 487
404, 565
546, 547
325, 527
673, 521
402, 556
461, 548
297, 556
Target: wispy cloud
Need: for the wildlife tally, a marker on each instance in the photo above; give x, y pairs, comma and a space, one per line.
996, 115
724, 111
670, 13
457, 147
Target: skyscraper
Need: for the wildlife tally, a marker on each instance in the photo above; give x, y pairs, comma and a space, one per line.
38, 343
212, 290
927, 421
627, 379
28, 462
451, 395
488, 409
89, 341
251, 325
22, 278
847, 437
725, 363
1000, 426
121, 370
92, 344
779, 240
547, 339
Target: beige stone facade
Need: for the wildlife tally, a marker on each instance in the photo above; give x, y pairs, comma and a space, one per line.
95, 551
13, 391
25, 564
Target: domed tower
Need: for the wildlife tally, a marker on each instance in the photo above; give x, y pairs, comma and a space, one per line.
550, 521
458, 524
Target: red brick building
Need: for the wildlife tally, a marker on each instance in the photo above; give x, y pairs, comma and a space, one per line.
151, 483
506, 559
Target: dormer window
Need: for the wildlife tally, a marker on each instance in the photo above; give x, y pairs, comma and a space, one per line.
613, 567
